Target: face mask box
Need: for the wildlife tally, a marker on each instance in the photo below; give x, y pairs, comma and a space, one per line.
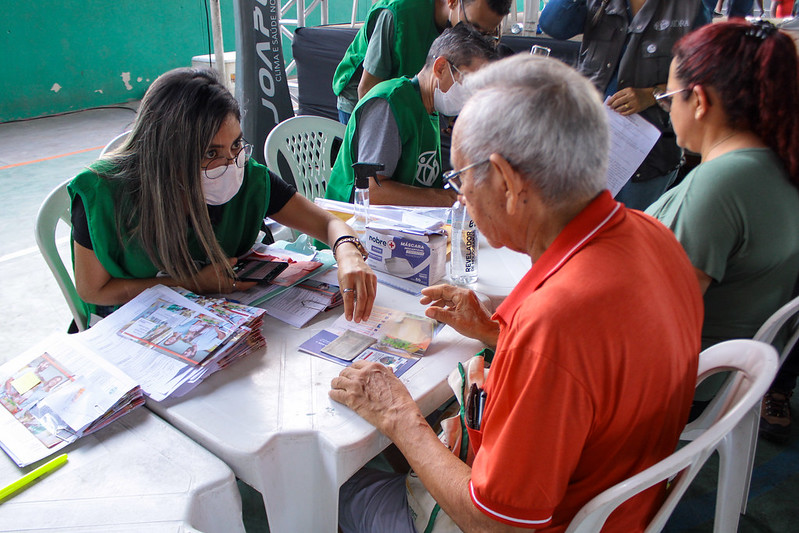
418, 258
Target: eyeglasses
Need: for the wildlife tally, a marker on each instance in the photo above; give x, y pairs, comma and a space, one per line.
493, 34
217, 166
664, 100
459, 71
452, 178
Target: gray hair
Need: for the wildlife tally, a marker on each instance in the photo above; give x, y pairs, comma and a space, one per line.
545, 118
159, 169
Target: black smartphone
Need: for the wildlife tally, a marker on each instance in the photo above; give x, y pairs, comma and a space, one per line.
260, 271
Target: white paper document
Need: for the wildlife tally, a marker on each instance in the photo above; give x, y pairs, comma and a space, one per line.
631, 140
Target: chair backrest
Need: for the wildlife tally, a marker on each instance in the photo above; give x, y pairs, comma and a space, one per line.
307, 143
787, 315
54, 208
752, 366
114, 143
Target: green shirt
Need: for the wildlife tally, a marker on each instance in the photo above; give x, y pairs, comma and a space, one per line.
414, 32
737, 216
420, 159
377, 61
123, 256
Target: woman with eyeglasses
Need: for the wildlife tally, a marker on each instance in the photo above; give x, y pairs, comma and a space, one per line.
733, 98
625, 51
181, 199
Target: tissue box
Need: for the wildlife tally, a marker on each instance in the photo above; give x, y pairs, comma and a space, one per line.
418, 258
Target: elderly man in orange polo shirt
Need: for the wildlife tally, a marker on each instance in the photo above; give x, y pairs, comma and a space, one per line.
596, 347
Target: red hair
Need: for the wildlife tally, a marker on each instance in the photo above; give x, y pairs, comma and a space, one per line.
753, 68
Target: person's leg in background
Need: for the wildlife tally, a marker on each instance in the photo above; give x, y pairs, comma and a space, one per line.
783, 8
775, 413
374, 500
740, 8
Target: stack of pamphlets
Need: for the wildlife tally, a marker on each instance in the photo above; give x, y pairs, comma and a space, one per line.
162, 343
394, 338
302, 265
299, 304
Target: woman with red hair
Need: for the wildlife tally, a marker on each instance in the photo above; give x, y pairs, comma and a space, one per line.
733, 97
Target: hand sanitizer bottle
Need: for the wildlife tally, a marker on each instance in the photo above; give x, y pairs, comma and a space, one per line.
363, 171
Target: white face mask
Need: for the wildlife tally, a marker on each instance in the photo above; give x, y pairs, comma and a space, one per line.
451, 102
220, 190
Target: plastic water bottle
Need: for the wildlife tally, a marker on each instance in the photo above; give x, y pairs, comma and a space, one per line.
463, 258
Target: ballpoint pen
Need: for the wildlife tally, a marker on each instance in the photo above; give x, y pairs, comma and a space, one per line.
32, 475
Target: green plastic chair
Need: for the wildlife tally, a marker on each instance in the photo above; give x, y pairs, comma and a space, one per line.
56, 208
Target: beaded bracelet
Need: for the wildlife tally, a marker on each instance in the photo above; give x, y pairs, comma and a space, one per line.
351, 239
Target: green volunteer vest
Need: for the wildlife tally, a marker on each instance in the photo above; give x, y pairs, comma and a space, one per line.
414, 32
420, 141
124, 257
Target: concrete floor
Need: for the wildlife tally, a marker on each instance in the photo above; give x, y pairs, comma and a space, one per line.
35, 156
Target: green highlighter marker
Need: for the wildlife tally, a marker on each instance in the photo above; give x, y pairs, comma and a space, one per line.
32, 475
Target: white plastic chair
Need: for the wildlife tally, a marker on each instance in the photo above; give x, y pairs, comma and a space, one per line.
786, 316
740, 446
752, 366
54, 208
306, 142
114, 143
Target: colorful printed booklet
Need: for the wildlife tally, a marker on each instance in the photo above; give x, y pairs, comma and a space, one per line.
160, 344
300, 304
302, 265
395, 338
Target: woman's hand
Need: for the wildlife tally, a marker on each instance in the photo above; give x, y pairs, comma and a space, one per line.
96, 286
630, 100
212, 279
357, 282
462, 310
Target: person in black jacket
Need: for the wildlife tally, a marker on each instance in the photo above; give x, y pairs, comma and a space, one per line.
626, 52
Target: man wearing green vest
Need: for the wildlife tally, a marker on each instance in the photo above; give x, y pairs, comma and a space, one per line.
395, 37
396, 124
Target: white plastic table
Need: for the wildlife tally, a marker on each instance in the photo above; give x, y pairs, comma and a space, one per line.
270, 419
138, 474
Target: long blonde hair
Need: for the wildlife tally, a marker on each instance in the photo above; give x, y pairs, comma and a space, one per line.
159, 168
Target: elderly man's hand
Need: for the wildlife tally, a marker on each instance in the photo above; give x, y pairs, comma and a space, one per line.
630, 100
462, 310
374, 392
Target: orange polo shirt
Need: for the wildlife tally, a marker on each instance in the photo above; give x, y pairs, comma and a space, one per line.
594, 372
